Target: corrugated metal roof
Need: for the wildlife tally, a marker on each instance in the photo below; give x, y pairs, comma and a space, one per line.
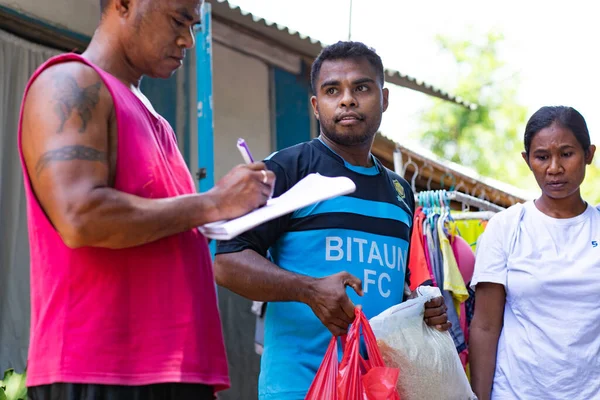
498, 192
309, 47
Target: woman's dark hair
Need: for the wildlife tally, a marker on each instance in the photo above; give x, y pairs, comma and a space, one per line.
567, 117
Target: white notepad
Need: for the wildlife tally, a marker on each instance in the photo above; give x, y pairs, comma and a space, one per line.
309, 190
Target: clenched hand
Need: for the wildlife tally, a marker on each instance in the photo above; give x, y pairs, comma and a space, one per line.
330, 302
435, 314
243, 189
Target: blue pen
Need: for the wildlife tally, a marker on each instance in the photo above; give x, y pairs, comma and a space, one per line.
245, 151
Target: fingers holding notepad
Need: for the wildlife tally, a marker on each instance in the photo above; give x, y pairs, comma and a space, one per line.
243, 189
263, 174
267, 177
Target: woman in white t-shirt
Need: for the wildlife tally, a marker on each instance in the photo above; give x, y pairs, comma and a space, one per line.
536, 329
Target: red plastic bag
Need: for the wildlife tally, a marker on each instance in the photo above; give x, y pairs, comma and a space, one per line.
324, 386
355, 378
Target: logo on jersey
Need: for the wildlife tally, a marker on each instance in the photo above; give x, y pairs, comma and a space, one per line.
399, 188
371, 255
594, 243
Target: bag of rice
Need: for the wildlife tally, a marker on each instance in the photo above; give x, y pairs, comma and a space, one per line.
430, 368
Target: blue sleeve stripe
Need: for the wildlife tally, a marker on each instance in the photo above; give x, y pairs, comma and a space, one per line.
353, 205
359, 223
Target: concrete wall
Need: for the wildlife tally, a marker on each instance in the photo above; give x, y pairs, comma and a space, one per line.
241, 90
80, 16
241, 106
241, 85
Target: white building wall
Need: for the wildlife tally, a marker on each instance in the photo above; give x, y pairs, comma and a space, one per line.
241, 84
241, 107
80, 16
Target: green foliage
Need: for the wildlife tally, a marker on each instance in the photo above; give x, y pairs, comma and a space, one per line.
490, 138
12, 386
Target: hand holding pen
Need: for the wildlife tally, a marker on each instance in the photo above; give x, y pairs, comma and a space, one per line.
245, 188
248, 159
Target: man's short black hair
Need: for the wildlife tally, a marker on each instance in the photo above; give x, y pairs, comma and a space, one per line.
342, 51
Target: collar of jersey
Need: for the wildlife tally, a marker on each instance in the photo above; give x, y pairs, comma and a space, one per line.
374, 170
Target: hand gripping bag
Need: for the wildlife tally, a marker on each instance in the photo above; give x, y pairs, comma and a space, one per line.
430, 368
354, 378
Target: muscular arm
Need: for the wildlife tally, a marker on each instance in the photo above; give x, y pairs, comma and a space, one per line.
251, 275
67, 153
485, 332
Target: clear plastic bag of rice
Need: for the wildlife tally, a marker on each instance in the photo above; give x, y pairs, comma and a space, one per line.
430, 368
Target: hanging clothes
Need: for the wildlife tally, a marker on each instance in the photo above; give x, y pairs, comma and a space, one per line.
470, 305
437, 263
433, 250
417, 264
453, 281
470, 229
442, 252
426, 240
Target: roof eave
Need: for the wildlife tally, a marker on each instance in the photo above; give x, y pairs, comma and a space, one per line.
310, 48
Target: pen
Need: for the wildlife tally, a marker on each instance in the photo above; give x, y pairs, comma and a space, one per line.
245, 151
248, 159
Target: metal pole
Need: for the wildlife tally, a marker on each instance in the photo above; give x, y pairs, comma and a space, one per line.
350, 23
204, 82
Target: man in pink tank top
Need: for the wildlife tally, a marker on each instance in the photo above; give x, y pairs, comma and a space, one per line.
123, 299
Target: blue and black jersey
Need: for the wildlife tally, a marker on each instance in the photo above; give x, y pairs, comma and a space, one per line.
366, 233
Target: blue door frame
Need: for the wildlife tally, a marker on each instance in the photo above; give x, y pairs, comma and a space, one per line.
204, 87
204, 105
292, 116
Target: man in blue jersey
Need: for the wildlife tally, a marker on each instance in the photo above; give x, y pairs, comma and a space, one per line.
360, 240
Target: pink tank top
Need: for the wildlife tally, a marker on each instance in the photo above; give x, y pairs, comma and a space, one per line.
134, 316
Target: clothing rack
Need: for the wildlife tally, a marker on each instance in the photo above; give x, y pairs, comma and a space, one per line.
482, 205
473, 215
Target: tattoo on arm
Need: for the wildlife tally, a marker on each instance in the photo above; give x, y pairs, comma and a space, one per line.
70, 96
68, 153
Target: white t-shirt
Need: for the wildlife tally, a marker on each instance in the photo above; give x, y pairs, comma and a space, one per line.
549, 347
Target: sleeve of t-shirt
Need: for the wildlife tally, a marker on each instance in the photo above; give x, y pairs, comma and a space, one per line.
261, 238
490, 257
